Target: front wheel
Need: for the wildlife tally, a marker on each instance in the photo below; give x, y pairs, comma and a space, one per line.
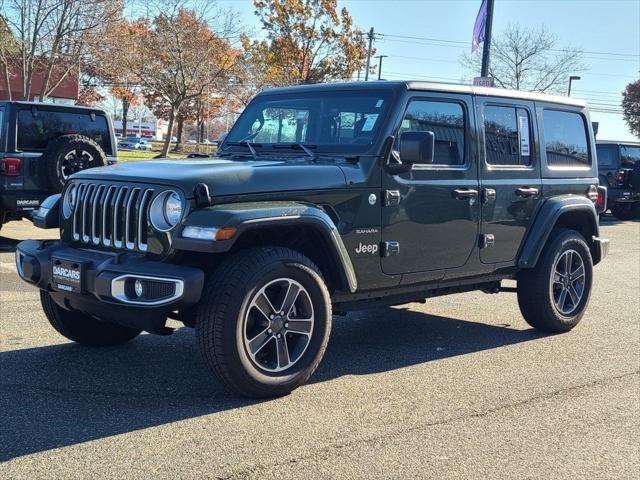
554, 295
264, 320
82, 328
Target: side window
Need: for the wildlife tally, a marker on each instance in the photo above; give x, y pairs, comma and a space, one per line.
507, 134
446, 120
630, 155
607, 155
565, 136
35, 132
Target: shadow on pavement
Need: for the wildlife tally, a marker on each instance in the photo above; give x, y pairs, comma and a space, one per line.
67, 394
8, 245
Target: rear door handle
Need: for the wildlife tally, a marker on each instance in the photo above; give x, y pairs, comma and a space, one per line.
525, 192
464, 193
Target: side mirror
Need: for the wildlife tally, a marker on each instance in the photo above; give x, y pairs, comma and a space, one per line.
417, 147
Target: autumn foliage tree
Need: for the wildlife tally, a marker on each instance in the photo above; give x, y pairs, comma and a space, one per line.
308, 41
178, 57
631, 107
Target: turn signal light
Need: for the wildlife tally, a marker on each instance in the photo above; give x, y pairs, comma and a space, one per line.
225, 233
10, 167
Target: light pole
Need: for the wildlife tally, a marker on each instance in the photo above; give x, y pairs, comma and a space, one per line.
571, 79
380, 64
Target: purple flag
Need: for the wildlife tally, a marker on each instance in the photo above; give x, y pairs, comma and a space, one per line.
478, 28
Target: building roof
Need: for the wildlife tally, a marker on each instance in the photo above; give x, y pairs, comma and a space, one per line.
432, 87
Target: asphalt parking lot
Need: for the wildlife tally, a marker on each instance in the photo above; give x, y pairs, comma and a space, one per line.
458, 387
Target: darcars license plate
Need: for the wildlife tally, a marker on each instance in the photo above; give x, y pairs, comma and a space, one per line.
67, 275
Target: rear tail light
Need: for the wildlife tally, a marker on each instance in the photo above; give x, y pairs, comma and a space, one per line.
601, 201
10, 167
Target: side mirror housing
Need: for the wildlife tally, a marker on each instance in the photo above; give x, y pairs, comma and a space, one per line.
417, 147
48, 215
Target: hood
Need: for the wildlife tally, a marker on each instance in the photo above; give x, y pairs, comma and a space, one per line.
223, 176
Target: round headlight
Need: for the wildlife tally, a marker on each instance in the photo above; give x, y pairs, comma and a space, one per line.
165, 211
69, 200
172, 208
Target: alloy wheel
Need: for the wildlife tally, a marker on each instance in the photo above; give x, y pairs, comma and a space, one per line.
73, 162
568, 282
278, 325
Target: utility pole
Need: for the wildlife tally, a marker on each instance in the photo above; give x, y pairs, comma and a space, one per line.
366, 72
380, 64
486, 47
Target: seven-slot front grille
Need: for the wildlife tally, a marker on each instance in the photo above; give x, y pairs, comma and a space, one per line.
112, 215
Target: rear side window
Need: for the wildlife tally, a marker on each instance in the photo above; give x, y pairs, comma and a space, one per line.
36, 131
607, 155
507, 134
565, 135
630, 155
446, 120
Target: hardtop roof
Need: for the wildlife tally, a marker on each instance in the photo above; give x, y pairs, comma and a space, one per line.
60, 106
429, 86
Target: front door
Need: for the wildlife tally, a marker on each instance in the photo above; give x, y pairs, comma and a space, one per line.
510, 182
430, 214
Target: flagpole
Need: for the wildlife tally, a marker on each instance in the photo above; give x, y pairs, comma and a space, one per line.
486, 47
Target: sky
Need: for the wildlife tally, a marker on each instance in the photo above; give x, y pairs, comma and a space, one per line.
608, 29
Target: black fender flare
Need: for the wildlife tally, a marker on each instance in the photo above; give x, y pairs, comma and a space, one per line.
547, 218
255, 215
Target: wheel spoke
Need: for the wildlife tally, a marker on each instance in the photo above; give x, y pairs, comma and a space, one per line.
575, 298
302, 327
264, 305
282, 351
578, 273
258, 342
568, 258
562, 299
557, 277
290, 298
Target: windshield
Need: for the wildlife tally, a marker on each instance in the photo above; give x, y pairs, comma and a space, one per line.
327, 120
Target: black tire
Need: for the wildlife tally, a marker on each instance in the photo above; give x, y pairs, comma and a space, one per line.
69, 154
624, 211
84, 329
536, 289
224, 311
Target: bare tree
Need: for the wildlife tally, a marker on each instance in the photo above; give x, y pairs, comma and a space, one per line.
528, 59
51, 36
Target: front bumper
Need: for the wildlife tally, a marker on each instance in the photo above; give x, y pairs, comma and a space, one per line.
107, 283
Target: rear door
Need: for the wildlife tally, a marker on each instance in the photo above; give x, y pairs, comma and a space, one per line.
510, 185
431, 212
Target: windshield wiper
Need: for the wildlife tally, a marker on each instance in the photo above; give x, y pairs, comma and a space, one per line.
246, 143
299, 146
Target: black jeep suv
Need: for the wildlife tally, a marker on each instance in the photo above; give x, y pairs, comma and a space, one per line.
619, 171
41, 145
322, 199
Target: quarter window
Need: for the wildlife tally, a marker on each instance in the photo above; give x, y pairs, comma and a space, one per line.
630, 155
507, 134
446, 120
565, 135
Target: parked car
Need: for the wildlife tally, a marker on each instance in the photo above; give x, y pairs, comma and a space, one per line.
134, 143
619, 171
325, 199
41, 146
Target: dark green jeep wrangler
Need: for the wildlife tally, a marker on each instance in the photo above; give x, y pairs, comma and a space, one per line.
324, 199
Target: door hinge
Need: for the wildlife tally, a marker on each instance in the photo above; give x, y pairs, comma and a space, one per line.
487, 240
391, 198
391, 248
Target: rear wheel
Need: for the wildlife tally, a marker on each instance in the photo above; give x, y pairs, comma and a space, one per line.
553, 296
82, 328
264, 320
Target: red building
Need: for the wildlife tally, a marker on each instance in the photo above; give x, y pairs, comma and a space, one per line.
67, 91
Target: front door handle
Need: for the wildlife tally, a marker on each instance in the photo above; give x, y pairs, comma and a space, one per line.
464, 193
526, 192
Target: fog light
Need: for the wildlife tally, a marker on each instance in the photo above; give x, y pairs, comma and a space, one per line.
138, 288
